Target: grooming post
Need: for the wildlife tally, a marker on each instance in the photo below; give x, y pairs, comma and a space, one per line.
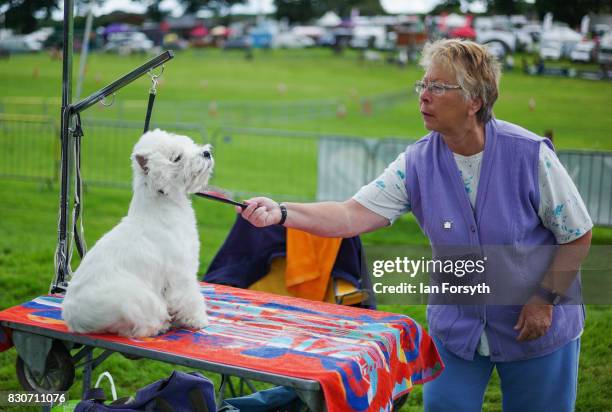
62, 269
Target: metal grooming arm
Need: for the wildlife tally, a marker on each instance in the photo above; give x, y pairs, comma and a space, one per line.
121, 82
68, 113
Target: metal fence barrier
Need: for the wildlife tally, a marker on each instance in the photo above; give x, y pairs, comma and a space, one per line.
286, 165
370, 104
345, 164
225, 112
338, 179
107, 146
282, 164
30, 148
592, 173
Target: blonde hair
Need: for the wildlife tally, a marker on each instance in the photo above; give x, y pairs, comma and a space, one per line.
477, 71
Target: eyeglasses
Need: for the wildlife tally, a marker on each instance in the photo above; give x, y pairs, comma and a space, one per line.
438, 89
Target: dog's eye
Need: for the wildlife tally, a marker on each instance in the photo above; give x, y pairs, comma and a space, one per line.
177, 159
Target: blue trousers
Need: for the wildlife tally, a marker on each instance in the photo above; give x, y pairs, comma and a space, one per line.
547, 383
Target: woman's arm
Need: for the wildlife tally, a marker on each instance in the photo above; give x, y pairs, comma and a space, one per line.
566, 263
536, 316
327, 219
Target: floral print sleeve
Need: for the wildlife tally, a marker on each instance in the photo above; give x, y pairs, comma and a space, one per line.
386, 195
561, 209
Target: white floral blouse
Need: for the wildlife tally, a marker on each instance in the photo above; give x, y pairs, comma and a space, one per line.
561, 209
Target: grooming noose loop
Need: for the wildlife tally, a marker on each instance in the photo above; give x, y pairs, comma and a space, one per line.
154, 79
152, 93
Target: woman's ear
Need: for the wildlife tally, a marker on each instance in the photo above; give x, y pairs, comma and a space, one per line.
475, 106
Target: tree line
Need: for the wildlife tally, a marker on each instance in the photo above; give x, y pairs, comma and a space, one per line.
25, 16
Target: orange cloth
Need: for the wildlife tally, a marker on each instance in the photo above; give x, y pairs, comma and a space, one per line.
310, 260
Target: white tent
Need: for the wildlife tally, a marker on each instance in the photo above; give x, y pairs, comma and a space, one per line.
408, 7
309, 31
329, 19
454, 20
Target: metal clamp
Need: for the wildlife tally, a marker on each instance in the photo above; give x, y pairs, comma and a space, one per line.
103, 101
154, 79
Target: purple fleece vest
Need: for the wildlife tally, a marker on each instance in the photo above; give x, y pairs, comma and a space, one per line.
504, 226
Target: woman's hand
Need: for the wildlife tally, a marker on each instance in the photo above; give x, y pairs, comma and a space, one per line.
261, 212
326, 219
534, 320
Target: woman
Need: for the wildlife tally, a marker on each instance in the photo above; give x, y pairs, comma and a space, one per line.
479, 182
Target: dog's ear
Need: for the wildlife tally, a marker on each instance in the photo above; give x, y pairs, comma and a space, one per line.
142, 162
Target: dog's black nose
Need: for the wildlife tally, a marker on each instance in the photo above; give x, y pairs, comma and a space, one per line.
206, 154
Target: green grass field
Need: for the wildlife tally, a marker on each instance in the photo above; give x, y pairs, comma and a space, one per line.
577, 111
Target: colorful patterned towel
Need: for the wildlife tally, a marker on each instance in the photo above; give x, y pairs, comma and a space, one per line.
362, 358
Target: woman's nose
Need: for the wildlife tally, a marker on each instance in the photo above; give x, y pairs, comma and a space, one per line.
425, 96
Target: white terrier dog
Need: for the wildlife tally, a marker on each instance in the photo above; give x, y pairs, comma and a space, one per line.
141, 277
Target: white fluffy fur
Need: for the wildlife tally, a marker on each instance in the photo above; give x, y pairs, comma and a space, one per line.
141, 277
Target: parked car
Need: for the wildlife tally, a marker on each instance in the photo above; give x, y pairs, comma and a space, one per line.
604, 56
583, 52
600, 29
551, 50
20, 44
328, 39
174, 42
365, 37
237, 43
497, 34
533, 30
498, 48
128, 42
558, 40
290, 40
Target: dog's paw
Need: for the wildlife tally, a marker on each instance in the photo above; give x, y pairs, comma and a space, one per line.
195, 321
165, 327
146, 330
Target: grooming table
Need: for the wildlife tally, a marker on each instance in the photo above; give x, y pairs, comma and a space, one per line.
337, 358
